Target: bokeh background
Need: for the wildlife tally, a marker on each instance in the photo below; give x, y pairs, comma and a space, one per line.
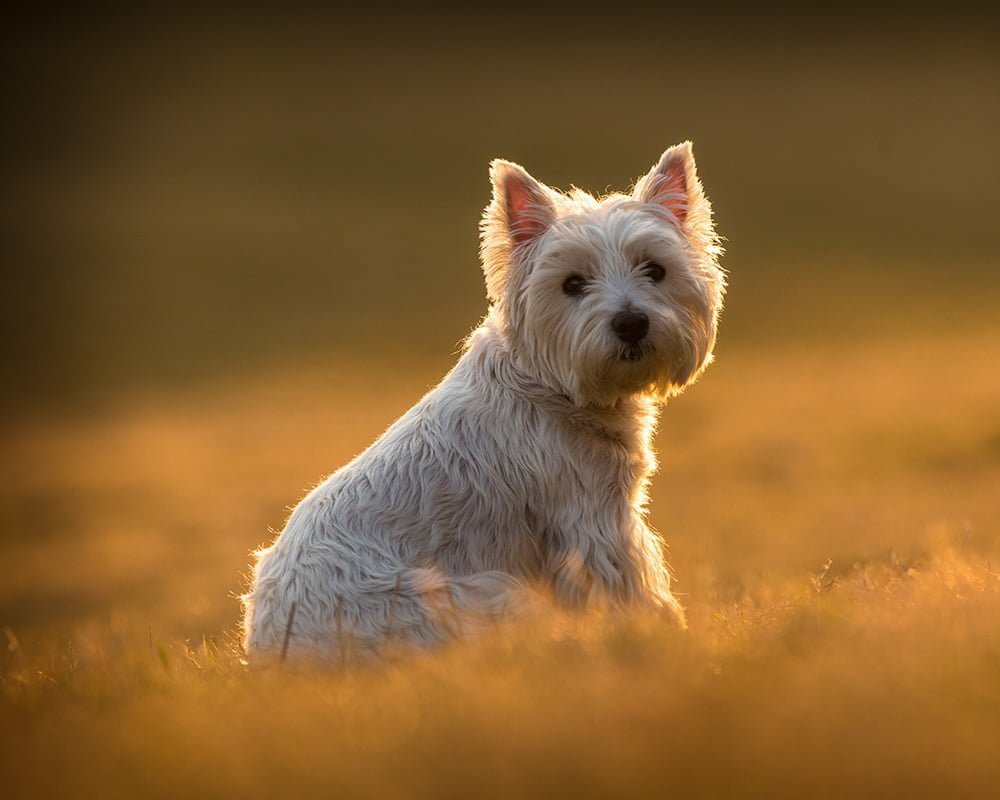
237, 245
192, 196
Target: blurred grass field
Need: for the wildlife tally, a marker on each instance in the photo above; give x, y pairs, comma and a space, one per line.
239, 250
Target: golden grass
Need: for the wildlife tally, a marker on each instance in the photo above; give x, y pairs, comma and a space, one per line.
877, 674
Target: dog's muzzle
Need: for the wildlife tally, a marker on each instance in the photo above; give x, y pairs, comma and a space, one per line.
630, 326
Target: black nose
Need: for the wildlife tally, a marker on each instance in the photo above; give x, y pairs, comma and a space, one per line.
630, 326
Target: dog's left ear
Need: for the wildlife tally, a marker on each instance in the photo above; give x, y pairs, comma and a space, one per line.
674, 186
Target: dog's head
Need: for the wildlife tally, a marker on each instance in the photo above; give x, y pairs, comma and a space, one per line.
604, 298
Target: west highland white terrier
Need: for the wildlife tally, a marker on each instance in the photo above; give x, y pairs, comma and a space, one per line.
528, 464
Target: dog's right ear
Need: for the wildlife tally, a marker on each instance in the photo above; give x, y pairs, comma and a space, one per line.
519, 213
523, 201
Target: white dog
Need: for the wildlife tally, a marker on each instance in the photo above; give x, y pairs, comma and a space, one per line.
528, 463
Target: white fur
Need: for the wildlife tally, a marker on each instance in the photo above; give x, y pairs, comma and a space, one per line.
528, 463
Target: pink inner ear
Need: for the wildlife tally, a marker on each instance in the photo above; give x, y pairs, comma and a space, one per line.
525, 211
670, 189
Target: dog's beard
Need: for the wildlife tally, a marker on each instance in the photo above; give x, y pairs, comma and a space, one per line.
633, 369
609, 369
660, 365
582, 358
633, 353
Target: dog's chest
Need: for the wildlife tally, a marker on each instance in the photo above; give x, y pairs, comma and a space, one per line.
599, 465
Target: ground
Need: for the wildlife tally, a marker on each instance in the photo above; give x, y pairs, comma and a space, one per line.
831, 512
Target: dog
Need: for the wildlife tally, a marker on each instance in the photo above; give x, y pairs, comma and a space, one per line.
528, 464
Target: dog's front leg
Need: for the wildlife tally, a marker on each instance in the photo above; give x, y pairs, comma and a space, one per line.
595, 565
592, 563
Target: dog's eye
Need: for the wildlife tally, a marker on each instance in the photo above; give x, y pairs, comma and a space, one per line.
574, 284
655, 272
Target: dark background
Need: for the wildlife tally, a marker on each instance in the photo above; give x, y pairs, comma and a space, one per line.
211, 194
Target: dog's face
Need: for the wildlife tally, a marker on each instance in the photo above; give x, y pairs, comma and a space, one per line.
601, 299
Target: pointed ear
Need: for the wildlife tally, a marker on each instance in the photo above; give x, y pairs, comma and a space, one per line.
673, 184
521, 210
523, 201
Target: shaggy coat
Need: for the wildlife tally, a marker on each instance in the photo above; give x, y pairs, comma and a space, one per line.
528, 464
